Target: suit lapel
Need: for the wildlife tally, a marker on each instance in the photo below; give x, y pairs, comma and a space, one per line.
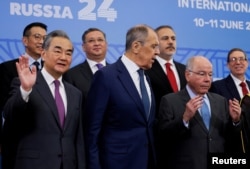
44, 90
160, 73
69, 105
86, 71
128, 84
232, 87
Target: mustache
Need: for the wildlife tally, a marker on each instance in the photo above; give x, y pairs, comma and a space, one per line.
170, 47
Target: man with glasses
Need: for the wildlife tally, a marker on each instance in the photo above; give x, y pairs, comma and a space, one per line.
235, 85
94, 45
33, 37
195, 121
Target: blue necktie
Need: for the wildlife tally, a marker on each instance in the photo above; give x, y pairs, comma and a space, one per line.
144, 93
205, 114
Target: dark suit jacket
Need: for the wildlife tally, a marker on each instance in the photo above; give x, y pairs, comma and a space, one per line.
160, 82
119, 135
81, 77
33, 137
8, 73
189, 147
226, 87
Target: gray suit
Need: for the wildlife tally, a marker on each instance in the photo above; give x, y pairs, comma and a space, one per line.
189, 147
33, 137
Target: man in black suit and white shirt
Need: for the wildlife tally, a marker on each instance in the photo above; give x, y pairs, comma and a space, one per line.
45, 132
158, 74
160, 82
229, 87
33, 37
94, 45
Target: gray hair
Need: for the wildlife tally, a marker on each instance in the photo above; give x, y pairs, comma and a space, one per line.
53, 34
136, 33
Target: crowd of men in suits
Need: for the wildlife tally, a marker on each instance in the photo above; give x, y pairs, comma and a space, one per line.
144, 111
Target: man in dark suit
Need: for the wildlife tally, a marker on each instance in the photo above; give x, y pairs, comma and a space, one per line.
119, 128
195, 121
230, 88
33, 36
161, 84
158, 74
94, 45
43, 113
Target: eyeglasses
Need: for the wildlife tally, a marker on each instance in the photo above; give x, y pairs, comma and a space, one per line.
38, 36
235, 59
92, 41
202, 73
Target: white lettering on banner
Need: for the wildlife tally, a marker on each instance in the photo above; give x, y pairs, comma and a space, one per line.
226, 6
64, 12
103, 11
39, 10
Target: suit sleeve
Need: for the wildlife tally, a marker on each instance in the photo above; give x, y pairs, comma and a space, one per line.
170, 118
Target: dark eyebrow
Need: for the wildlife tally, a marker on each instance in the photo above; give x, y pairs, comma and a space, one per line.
59, 47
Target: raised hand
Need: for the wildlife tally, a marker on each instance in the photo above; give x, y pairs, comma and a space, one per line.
26, 75
235, 110
191, 107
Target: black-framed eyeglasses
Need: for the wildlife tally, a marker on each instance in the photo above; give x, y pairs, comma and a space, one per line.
236, 59
202, 73
38, 36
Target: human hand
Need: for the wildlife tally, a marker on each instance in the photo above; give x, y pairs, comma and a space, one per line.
27, 77
235, 110
191, 107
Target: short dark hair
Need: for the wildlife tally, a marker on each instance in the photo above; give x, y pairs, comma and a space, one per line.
26, 31
233, 50
91, 30
162, 27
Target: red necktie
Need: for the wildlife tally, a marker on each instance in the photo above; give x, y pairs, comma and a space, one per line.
171, 77
244, 88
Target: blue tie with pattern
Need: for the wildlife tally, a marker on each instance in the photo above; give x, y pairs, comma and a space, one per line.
144, 93
205, 114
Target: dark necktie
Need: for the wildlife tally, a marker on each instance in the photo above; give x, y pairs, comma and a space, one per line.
59, 103
99, 65
244, 88
36, 63
205, 114
144, 93
171, 77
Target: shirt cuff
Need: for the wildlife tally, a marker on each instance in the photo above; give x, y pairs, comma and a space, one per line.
25, 94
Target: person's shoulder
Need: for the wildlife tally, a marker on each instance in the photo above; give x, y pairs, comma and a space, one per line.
74, 90
216, 96
179, 64
77, 67
9, 62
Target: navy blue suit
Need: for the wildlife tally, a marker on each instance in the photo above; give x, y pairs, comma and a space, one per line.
119, 135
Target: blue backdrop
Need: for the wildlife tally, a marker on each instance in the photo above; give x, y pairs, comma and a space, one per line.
203, 27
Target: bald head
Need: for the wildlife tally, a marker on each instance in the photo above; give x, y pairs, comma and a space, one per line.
199, 72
